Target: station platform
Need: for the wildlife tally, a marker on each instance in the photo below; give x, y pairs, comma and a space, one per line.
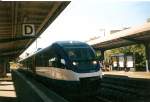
19, 87
7, 89
144, 75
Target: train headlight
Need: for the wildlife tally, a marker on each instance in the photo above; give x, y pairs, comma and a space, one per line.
94, 62
75, 63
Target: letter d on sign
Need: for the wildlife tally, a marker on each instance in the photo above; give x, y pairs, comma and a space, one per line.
28, 29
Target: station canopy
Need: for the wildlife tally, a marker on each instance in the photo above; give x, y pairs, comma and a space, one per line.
134, 35
15, 14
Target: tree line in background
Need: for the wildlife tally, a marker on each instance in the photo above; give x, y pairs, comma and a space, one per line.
137, 50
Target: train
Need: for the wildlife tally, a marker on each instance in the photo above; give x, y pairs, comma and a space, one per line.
67, 66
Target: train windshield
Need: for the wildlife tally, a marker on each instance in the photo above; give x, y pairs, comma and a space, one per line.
80, 53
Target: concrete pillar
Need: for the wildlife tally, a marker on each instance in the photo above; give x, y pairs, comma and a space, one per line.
6, 66
102, 57
102, 54
147, 54
3, 66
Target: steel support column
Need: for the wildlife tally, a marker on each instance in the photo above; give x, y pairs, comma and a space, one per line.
102, 54
147, 54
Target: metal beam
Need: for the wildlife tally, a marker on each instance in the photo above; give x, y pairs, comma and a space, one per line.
11, 53
8, 53
5, 19
133, 40
11, 50
46, 20
101, 49
35, 9
147, 54
55, 11
6, 40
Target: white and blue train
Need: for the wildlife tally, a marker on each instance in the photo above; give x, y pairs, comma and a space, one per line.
69, 66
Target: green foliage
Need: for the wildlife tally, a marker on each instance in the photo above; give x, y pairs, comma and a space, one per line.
137, 50
99, 55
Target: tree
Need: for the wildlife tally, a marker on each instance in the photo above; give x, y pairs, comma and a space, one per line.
137, 50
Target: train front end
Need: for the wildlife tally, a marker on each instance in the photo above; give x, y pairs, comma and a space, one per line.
84, 68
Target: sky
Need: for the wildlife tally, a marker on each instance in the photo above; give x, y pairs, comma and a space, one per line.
84, 19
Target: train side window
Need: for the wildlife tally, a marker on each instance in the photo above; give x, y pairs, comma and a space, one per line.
56, 61
62, 63
52, 61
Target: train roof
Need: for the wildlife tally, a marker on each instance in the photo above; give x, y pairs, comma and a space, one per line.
71, 43
61, 44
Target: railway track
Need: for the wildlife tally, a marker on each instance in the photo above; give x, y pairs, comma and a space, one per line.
117, 89
88, 99
101, 99
95, 99
120, 89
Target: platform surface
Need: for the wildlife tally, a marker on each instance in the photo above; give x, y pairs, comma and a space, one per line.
7, 89
145, 75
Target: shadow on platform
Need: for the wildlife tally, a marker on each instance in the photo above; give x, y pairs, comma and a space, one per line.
7, 89
8, 99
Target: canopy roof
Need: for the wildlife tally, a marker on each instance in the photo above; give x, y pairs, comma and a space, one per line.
16, 13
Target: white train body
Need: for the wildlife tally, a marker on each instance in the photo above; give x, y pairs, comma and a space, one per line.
64, 74
69, 65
